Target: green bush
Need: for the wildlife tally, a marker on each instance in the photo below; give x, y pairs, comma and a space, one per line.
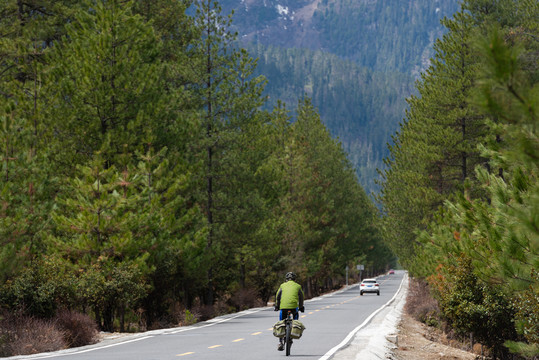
38, 290
188, 318
527, 323
473, 307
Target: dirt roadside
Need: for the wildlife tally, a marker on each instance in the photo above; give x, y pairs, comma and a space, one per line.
416, 340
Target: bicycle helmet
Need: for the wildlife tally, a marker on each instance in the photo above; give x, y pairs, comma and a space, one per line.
290, 276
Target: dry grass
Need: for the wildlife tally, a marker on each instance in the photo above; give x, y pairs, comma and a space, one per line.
420, 304
79, 329
26, 335
245, 299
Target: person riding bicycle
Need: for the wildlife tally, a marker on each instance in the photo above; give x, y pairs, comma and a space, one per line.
289, 297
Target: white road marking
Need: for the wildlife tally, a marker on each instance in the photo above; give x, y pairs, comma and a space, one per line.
88, 350
353, 332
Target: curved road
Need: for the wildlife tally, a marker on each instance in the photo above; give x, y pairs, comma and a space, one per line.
330, 321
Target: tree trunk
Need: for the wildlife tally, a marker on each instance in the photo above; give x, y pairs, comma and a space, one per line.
108, 319
122, 319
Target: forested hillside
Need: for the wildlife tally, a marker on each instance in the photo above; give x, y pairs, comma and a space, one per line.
357, 59
143, 183
460, 195
386, 36
357, 105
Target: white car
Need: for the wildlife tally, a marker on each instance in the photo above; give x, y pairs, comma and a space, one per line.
369, 286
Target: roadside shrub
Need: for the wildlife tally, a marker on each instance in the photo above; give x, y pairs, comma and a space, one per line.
39, 290
78, 329
245, 299
206, 312
203, 312
5, 332
21, 335
473, 307
526, 304
188, 318
222, 307
420, 304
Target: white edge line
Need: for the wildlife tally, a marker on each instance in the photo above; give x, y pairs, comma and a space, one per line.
93, 349
156, 332
354, 332
248, 312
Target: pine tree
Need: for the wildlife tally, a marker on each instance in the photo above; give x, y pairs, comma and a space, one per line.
229, 97
212, 67
435, 150
27, 190
170, 230
112, 98
507, 230
94, 234
107, 86
274, 253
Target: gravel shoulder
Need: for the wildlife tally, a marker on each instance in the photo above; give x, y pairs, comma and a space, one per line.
418, 341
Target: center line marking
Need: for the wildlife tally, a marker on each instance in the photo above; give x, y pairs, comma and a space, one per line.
237, 340
257, 333
214, 346
187, 353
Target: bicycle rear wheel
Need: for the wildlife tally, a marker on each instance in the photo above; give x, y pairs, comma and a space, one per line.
288, 340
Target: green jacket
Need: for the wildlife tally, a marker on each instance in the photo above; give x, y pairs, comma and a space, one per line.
289, 295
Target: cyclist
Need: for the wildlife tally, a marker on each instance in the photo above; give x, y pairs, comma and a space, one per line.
289, 297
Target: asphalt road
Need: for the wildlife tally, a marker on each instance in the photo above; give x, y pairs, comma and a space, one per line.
329, 321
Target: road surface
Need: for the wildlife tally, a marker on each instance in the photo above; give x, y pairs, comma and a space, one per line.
330, 320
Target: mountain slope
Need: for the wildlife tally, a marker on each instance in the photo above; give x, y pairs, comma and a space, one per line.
351, 99
383, 35
358, 62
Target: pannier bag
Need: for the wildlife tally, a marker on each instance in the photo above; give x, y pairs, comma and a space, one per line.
279, 329
297, 329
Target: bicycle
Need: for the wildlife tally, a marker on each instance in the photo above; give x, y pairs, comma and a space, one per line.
288, 329
287, 337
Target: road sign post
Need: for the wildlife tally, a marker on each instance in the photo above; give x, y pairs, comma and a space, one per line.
360, 268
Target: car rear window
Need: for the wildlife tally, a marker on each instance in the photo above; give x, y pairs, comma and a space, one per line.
369, 282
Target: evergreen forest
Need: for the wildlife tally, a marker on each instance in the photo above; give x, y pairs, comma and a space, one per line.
144, 179
460, 195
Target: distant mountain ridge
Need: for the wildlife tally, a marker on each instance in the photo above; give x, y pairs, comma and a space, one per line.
271, 22
383, 35
386, 44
